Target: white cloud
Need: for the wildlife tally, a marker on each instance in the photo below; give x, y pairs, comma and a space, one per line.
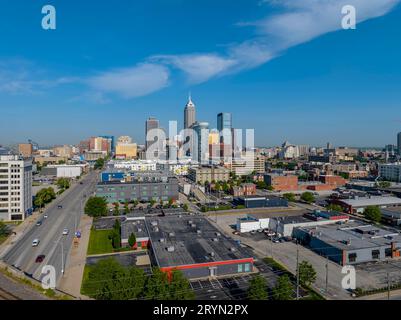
198, 67
132, 82
300, 21
305, 20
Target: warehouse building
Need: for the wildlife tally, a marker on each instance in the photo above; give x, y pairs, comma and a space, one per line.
358, 204
285, 225
260, 202
194, 246
65, 170
351, 242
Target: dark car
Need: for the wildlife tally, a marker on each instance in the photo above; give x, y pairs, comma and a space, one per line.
60, 207
81, 182
39, 223
40, 258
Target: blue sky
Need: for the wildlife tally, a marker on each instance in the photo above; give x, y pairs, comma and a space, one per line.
282, 67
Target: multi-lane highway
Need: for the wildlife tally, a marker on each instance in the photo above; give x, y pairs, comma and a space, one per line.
53, 244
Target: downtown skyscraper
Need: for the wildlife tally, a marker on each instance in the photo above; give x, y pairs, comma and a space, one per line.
189, 113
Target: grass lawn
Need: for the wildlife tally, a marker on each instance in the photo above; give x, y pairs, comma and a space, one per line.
99, 242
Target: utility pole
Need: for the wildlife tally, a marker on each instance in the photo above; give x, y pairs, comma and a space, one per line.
62, 258
297, 271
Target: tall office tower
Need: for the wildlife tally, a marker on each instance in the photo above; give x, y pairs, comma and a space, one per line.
224, 125
15, 187
200, 149
151, 123
189, 114
399, 143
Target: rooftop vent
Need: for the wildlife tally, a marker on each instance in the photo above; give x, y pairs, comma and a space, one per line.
232, 249
170, 249
161, 240
218, 234
154, 223
171, 234
198, 231
193, 225
212, 254
215, 239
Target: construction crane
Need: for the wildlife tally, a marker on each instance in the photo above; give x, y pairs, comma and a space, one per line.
35, 145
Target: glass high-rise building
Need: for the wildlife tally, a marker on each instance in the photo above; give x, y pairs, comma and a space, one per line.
224, 126
224, 121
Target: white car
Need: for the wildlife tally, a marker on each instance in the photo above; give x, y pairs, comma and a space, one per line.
45, 216
65, 232
35, 242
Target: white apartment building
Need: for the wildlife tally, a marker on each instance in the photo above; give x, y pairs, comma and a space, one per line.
390, 171
15, 187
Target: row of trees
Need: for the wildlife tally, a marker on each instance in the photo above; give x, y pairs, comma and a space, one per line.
284, 288
306, 196
115, 235
44, 197
109, 280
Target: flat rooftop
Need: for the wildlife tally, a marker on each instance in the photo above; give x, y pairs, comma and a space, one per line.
372, 201
184, 240
358, 235
134, 225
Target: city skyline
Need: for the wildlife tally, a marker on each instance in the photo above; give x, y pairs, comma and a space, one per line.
337, 90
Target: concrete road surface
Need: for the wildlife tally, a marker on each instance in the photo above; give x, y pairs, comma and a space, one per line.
53, 244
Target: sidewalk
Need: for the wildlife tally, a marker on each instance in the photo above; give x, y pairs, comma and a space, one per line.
72, 279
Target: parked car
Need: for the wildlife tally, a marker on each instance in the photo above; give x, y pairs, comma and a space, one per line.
45, 216
237, 233
59, 206
35, 242
40, 258
275, 240
39, 223
65, 232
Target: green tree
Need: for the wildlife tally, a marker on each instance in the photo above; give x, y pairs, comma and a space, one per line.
115, 235
4, 231
170, 202
96, 207
99, 164
116, 209
334, 207
109, 280
152, 202
179, 287
126, 207
157, 286
132, 240
261, 185
284, 289
289, 196
373, 213
185, 207
308, 197
307, 274
63, 183
257, 288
